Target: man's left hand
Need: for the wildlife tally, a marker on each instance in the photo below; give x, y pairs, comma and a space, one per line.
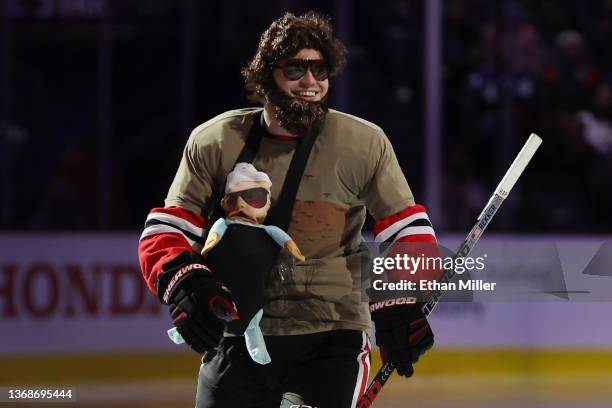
402, 333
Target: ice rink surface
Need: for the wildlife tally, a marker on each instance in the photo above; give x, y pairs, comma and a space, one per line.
446, 379
426, 391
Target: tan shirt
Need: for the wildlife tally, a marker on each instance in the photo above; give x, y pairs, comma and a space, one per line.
352, 167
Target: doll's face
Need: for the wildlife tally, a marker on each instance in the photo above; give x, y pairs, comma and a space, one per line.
247, 201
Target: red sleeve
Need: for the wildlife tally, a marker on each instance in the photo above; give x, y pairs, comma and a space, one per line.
412, 228
168, 232
409, 225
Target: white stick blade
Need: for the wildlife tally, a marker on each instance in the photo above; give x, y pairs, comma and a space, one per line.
516, 169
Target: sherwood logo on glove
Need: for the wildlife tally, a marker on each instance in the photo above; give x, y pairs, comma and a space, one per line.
392, 302
177, 276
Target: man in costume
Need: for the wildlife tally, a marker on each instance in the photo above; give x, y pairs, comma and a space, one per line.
315, 321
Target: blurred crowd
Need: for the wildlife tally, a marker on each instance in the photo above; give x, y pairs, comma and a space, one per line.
510, 67
531, 66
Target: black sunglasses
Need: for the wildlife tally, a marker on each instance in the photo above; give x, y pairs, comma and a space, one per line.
255, 197
295, 69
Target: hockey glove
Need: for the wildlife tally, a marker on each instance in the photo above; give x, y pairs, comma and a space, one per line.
198, 303
402, 333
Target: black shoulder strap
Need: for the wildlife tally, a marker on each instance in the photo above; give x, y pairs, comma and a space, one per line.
251, 145
280, 214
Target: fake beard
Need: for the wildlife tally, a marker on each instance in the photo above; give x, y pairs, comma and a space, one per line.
295, 115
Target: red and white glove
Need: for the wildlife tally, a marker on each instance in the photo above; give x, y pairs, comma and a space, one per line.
199, 304
402, 333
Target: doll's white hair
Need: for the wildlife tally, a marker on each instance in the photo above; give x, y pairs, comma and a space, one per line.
245, 172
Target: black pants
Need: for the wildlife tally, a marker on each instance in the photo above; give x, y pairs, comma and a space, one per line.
322, 370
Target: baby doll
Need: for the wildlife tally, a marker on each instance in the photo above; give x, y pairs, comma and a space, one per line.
247, 202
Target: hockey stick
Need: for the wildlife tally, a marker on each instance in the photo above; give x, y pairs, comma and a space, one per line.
483, 220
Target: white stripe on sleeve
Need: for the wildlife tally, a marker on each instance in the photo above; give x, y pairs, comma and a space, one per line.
161, 229
398, 225
178, 221
415, 231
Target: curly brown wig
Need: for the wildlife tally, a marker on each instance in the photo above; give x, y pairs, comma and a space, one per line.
286, 37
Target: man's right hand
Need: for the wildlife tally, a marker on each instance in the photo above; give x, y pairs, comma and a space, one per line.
198, 303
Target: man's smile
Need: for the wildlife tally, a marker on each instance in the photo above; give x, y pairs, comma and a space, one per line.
306, 95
